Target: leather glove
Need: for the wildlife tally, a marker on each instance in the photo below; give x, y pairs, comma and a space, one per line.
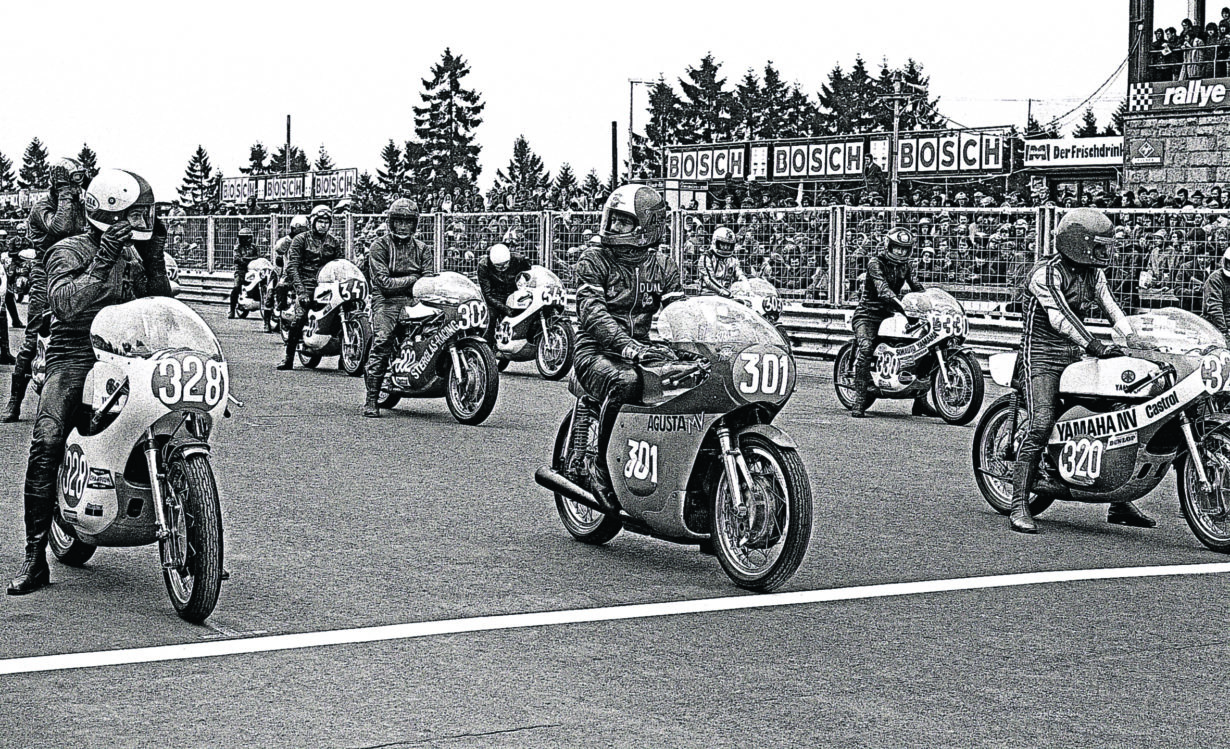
111, 245
655, 354
1100, 350
157, 241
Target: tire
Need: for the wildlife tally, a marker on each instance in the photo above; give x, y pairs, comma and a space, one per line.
311, 361
67, 548
241, 313
559, 367
843, 378
476, 403
353, 365
781, 331
585, 524
961, 402
195, 517
782, 536
1212, 531
989, 444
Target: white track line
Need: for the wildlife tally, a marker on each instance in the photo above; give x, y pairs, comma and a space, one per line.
576, 616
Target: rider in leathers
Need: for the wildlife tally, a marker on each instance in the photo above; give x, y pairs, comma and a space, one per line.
281, 249
245, 253
497, 279
1059, 288
888, 275
61, 214
119, 259
308, 254
395, 261
620, 285
719, 268
1216, 307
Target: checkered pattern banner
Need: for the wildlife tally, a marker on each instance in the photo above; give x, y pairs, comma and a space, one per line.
1140, 97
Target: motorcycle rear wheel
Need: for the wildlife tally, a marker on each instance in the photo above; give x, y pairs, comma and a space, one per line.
764, 550
195, 517
555, 349
67, 548
992, 470
585, 524
960, 401
471, 395
843, 378
354, 357
1213, 531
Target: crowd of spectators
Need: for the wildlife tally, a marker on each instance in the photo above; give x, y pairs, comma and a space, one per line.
1189, 52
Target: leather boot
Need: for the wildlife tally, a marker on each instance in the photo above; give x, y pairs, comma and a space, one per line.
13, 412
234, 303
289, 361
1022, 482
34, 572
595, 461
1126, 513
6, 353
373, 379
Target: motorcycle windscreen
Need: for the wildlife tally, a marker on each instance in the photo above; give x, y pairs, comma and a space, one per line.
714, 320
262, 264
336, 271
1173, 331
919, 303
144, 327
446, 288
752, 287
172, 267
537, 277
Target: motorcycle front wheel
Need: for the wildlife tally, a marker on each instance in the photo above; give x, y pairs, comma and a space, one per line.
356, 344
843, 379
585, 524
471, 392
958, 399
1209, 518
994, 454
195, 517
65, 546
761, 546
555, 349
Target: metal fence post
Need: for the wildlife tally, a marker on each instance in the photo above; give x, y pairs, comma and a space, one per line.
437, 222
350, 235
546, 230
837, 255
209, 244
273, 234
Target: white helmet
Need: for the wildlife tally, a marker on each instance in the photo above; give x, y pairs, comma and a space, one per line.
499, 255
116, 194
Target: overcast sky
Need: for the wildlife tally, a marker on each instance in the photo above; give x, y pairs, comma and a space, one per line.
144, 82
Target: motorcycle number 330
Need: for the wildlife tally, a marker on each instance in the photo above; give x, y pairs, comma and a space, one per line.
764, 373
1080, 461
185, 379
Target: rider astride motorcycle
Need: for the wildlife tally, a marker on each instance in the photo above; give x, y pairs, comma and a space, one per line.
119, 259
55, 217
308, 253
497, 279
281, 249
245, 253
719, 267
396, 261
1216, 307
620, 285
1058, 288
888, 275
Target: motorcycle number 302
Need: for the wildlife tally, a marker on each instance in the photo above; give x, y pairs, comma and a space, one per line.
642, 462
189, 379
764, 372
473, 314
1080, 460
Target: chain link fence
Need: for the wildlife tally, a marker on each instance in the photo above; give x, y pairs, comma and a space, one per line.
570, 235
188, 241
467, 237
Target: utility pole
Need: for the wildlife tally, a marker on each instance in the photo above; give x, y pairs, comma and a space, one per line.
288, 145
632, 83
614, 154
898, 97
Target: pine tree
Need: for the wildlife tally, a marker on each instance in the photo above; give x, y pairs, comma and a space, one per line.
445, 125
194, 193
746, 112
707, 104
8, 183
592, 187
665, 123
324, 162
391, 177
257, 156
773, 102
1034, 129
298, 161
564, 189
35, 172
848, 101
1115, 126
524, 176
415, 167
1089, 125
88, 160
800, 116
367, 195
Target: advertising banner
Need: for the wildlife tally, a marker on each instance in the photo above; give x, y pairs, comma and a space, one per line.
1104, 151
706, 163
335, 183
950, 151
1161, 97
833, 158
237, 189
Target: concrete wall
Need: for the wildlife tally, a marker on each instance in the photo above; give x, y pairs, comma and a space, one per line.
1196, 151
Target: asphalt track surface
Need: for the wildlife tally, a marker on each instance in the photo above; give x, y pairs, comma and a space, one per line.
334, 522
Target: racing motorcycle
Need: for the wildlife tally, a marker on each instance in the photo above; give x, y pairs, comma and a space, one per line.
698, 460
761, 295
919, 352
21, 273
337, 323
1122, 423
172, 273
541, 329
440, 349
136, 468
258, 285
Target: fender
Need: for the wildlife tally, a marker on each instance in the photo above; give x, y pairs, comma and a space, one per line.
772, 434
1214, 422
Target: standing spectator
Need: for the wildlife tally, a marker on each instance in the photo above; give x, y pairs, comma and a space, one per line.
1157, 57
1172, 54
874, 180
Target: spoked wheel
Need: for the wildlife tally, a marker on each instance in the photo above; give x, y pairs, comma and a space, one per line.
195, 518
995, 451
65, 545
761, 545
555, 349
958, 399
1208, 516
843, 379
472, 390
585, 524
356, 343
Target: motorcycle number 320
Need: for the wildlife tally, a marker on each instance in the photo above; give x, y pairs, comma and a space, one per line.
1215, 371
1080, 461
642, 461
190, 380
473, 314
764, 372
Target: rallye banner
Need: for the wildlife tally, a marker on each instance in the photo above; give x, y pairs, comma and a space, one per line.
1161, 97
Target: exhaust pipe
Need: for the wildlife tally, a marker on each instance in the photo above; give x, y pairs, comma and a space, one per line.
549, 478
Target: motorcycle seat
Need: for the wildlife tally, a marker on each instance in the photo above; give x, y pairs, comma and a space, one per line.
417, 311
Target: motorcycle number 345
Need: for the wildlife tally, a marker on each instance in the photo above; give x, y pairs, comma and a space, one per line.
764, 372
188, 379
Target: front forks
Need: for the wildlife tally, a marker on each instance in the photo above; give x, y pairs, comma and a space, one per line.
168, 543
1203, 487
737, 475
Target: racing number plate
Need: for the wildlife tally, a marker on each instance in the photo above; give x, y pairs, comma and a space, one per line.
1215, 371
764, 373
185, 379
352, 290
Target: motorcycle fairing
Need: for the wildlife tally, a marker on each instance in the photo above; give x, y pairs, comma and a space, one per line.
1108, 378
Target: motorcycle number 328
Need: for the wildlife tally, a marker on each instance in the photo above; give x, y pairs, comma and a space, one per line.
473, 314
1081, 460
642, 461
765, 372
190, 380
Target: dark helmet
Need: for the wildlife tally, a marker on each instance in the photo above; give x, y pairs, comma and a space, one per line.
68, 171
319, 213
298, 225
245, 233
899, 242
1084, 237
723, 242
403, 218
645, 209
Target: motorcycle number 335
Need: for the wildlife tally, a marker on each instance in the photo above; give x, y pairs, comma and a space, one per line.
184, 379
764, 373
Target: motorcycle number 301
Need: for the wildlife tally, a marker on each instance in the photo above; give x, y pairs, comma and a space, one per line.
1081, 460
190, 380
473, 314
765, 372
642, 461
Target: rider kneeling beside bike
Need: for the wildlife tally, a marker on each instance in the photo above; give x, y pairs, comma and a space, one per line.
497, 279
621, 284
1053, 337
